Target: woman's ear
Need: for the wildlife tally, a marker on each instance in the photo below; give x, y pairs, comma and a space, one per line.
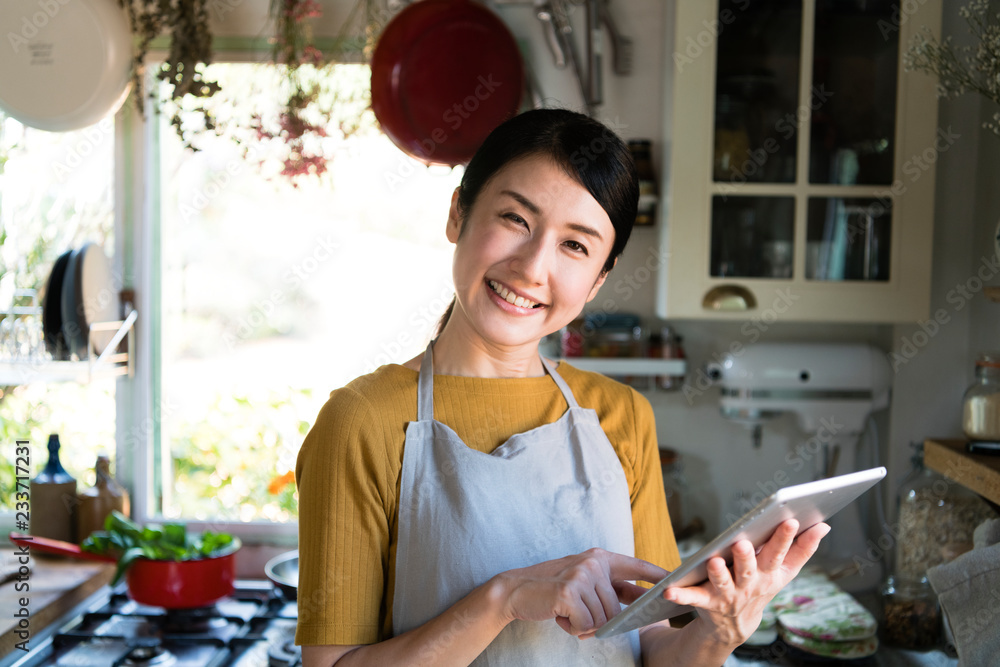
600, 281
454, 227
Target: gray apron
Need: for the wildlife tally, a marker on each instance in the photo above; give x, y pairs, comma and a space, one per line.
465, 516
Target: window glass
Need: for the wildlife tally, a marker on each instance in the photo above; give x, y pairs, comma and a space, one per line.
56, 193
274, 294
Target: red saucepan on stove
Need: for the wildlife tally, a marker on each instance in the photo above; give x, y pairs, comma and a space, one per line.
444, 74
182, 584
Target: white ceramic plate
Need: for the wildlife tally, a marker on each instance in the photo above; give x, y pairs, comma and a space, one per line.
66, 64
88, 296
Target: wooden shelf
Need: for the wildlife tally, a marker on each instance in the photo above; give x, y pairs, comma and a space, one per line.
978, 472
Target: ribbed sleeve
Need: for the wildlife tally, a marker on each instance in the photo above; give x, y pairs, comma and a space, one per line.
348, 479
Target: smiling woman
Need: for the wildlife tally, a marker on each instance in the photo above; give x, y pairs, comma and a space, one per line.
439, 498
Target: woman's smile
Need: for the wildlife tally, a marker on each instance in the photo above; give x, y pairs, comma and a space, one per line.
511, 300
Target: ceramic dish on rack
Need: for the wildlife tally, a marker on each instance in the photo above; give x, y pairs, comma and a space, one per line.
52, 332
88, 296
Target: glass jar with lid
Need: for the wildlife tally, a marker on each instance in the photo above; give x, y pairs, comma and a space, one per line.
981, 403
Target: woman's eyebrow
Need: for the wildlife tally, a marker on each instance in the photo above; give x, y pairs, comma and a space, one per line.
521, 199
528, 204
584, 229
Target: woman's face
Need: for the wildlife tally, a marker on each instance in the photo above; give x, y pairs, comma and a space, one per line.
531, 253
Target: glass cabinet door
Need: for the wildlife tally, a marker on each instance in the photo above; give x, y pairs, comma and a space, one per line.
757, 91
847, 117
853, 100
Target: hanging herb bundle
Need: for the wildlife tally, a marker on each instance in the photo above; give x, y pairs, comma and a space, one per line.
190, 51
296, 127
964, 69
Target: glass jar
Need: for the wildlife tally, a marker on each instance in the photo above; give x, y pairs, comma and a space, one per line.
648, 195
936, 520
981, 403
910, 614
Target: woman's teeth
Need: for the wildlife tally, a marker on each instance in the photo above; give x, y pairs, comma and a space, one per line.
510, 297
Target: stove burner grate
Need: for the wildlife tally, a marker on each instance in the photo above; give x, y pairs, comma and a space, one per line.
149, 656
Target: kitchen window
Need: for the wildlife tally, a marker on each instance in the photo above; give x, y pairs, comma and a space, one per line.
56, 192
261, 297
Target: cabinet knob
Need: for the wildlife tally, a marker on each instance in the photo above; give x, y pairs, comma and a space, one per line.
729, 298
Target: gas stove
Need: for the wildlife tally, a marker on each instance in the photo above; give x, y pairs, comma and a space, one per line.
255, 627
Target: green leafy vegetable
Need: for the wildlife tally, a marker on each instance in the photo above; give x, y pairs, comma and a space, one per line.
127, 541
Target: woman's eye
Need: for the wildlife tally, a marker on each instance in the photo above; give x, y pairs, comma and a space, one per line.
577, 246
514, 217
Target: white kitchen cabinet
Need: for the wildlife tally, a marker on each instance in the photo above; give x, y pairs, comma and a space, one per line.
801, 162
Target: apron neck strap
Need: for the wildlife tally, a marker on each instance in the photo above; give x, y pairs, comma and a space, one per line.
563, 387
425, 384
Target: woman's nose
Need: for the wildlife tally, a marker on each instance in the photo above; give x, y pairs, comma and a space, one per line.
532, 261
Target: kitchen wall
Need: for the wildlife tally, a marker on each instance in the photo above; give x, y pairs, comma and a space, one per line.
720, 460
937, 357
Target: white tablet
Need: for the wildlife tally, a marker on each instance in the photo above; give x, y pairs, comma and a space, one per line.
808, 503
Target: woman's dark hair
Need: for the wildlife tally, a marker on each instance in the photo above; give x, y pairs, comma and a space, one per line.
588, 150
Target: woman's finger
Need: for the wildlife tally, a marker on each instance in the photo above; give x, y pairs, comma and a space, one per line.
579, 616
805, 546
772, 554
595, 608
609, 602
719, 575
744, 563
693, 596
627, 568
628, 592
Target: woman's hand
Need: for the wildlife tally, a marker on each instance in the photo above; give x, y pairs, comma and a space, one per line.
581, 592
731, 603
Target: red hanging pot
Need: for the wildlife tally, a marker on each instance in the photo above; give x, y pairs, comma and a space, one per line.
445, 73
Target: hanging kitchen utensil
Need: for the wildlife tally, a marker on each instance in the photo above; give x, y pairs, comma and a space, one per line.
69, 63
445, 73
543, 12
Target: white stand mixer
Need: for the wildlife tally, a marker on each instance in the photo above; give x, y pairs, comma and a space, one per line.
832, 389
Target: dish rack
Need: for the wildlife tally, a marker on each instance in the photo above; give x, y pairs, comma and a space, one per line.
24, 359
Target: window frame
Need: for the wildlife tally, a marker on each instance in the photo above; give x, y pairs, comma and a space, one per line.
140, 449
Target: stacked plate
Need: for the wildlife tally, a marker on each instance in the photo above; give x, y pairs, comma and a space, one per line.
816, 617
79, 292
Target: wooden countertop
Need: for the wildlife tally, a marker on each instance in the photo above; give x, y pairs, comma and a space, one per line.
978, 472
55, 585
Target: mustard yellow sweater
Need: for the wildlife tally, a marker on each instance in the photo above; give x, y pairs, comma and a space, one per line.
348, 474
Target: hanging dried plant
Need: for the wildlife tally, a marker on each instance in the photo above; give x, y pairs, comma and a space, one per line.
964, 69
190, 50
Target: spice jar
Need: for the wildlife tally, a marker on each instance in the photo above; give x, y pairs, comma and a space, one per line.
910, 615
981, 403
648, 195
